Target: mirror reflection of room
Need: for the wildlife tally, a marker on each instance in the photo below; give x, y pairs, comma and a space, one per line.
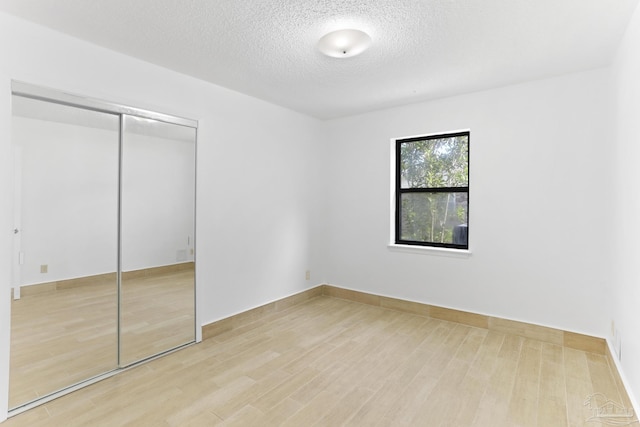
95, 205
64, 307
158, 181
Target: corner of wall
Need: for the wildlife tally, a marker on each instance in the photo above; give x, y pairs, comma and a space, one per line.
621, 379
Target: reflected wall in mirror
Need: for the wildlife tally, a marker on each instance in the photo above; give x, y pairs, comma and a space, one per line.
63, 326
158, 202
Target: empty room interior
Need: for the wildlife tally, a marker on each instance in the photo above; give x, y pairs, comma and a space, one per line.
319, 212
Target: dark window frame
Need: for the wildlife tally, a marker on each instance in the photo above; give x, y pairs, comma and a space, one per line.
399, 191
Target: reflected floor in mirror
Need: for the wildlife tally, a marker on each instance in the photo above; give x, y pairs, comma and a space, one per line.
66, 332
158, 311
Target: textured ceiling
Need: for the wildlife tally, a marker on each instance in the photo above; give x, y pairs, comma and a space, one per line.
421, 49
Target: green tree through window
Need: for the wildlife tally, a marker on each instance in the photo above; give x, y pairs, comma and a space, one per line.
432, 190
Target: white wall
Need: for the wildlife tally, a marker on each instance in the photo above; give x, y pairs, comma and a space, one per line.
255, 161
6, 243
538, 223
158, 200
69, 199
625, 272
69, 203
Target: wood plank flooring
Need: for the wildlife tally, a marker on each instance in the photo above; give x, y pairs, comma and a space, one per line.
331, 362
68, 334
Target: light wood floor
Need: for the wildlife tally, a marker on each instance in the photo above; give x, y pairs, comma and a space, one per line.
331, 362
62, 336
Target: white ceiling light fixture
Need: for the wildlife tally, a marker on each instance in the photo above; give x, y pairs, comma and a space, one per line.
344, 43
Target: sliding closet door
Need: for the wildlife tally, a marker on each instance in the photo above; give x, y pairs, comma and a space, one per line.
157, 301
64, 311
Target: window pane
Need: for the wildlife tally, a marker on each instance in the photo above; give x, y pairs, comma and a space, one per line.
432, 163
434, 217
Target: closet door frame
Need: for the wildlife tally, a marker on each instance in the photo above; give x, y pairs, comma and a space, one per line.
28, 90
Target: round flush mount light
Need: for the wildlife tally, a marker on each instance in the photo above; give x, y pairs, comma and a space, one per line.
344, 43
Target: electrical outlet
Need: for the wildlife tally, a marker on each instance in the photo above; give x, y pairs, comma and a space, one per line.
44, 268
307, 275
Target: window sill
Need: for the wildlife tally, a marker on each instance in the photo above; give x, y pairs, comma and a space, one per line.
430, 250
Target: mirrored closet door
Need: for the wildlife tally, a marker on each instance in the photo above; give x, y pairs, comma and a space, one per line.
104, 247
64, 314
158, 191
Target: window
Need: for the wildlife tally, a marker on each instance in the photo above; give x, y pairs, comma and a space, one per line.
432, 190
